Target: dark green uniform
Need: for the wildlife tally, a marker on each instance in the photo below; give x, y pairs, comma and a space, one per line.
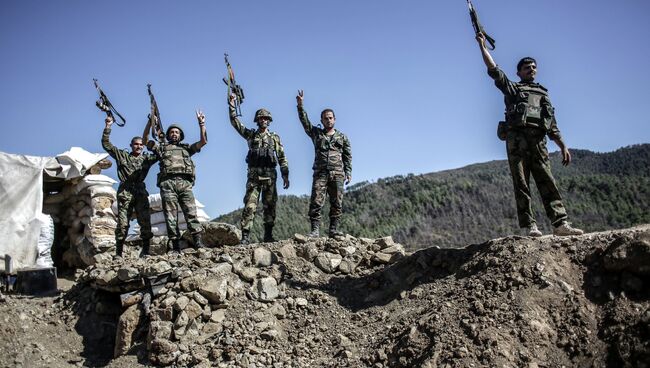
332, 164
529, 119
175, 180
265, 152
132, 194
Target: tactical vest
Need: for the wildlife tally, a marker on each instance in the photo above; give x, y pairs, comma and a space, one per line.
531, 107
261, 151
176, 160
329, 151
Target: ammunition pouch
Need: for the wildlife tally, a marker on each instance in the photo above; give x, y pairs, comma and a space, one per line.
502, 130
261, 157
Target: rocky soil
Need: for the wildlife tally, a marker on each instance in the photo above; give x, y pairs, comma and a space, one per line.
511, 302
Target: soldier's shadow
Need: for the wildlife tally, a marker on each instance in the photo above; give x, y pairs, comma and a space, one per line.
386, 284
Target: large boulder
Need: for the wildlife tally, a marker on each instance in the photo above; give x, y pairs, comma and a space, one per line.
629, 253
217, 234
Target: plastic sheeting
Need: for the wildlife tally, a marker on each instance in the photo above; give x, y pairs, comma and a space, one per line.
21, 202
73, 163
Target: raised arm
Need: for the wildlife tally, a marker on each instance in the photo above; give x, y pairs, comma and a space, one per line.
200, 117
487, 58
106, 142
234, 121
302, 114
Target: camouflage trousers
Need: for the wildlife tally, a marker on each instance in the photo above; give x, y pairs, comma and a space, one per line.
176, 193
326, 183
132, 198
527, 154
260, 181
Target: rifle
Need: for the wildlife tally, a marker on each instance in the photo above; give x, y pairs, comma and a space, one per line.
478, 28
233, 87
106, 106
157, 131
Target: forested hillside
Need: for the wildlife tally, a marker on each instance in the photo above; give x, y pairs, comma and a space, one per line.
476, 203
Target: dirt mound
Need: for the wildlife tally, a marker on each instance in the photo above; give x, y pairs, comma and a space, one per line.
515, 301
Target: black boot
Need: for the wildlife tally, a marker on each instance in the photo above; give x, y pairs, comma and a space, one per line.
268, 233
245, 237
334, 228
145, 247
119, 247
315, 229
198, 241
175, 245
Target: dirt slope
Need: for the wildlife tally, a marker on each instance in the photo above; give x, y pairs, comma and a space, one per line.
511, 302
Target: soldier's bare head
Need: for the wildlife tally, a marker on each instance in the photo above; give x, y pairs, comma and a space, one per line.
136, 146
527, 68
328, 119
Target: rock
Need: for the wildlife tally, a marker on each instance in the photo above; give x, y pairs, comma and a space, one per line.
163, 352
211, 328
308, 251
126, 328
300, 238
265, 289
199, 298
218, 316
287, 251
301, 302
218, 234
385, 242
262, 257
156, 269
347, 266
159, 330
347, 251
221, 269
248, 273
181, 303
629, 253
109, 277
193, 310
328, 262
382, 257
191, 283
215, 290
182, 320
127, 273
270, 335
397, 248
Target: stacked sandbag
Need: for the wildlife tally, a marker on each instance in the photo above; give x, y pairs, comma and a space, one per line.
83, 207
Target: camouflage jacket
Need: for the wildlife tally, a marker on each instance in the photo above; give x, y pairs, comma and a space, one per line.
332, 152
264, 149
130, 169
175, 159
512, 95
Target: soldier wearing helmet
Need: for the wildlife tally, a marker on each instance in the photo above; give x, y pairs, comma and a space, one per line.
332, 168
265, 152
176, 179
529, 118
132, 195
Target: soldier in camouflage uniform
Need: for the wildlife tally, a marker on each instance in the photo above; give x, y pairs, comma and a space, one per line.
332, 167
132, 195
265, 151
529, 119
176, 179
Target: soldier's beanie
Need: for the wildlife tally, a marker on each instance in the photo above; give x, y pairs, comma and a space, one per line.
524, 61
177, 127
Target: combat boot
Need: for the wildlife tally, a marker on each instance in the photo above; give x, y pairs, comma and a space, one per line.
564, 229
315, 229
334, 228
268, 233
175, 245
145, 248
245, 237
534, 231
198, 241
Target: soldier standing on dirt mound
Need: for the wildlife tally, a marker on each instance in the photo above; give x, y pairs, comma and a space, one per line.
176, 179
265, 151
529, 119
332, 167
132, 195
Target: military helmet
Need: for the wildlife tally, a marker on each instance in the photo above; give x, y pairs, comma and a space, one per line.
262, 113
177, 127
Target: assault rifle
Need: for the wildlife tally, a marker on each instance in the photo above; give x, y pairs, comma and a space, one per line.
233, 87
478, 28
157, 131
106, 106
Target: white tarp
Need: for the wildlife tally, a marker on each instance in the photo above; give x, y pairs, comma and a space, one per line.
21, 202
73, 163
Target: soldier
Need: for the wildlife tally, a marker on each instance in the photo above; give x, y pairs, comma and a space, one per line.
176, 179
265, 151
529, 118
132, 195
332, 166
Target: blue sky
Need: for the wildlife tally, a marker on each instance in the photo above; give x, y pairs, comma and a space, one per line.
405, 78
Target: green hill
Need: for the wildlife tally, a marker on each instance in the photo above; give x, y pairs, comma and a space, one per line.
474, 203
